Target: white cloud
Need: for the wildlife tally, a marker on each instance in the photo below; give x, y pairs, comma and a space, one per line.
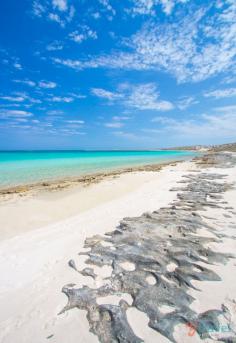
186, 102
146, 97
114, 125
163, 120
194, 47
11, 61
120, 118
75, 64
47, 84
69, 132
55, 46
41, 84
13, 98
38, 8
77, 96
141, 97
61, 5
61, 99
102, 93
5, 113
96, 15
179, 48
83, 34
26, 82
21, 120
107, 6
75, 121
148, 7
117, 122
126, 135
55, 17
207, 128
20, 97
55, 112
56, 10
226, 109
221, 93
116, 61
229, 79
17, 65
71, 14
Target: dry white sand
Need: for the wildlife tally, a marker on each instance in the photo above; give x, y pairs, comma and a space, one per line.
34, 261
211, 295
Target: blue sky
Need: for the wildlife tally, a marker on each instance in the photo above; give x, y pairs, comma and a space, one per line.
111, 74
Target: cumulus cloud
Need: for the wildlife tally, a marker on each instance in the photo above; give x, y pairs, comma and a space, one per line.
221, 93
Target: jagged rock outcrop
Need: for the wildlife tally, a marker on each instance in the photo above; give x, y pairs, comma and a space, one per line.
162, 245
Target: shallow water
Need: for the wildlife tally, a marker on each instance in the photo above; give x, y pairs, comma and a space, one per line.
24, 167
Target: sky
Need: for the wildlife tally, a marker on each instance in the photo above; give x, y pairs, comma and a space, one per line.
112, 74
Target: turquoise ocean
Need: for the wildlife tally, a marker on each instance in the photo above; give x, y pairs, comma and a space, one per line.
25, 167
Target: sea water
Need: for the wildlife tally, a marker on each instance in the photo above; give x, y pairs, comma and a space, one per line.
25, 167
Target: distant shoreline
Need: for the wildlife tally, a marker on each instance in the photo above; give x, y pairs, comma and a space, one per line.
194, 148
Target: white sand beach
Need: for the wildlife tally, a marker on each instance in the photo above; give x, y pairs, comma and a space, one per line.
40, 234
118, 171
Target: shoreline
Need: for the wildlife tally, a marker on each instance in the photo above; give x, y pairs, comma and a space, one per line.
34, 263
46, 206
87, 179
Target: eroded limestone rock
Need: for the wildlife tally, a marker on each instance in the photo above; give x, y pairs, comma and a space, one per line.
153, 242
